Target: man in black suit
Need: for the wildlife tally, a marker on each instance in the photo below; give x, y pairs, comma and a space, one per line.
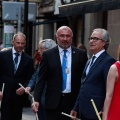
93, 82
59, 100
15, 67
43, 46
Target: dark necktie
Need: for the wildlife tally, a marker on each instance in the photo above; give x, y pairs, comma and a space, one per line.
92, 61
16, 61
89, 66
64, 74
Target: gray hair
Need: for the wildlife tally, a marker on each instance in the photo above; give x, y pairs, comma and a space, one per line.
105, 36
18, 34
48, 43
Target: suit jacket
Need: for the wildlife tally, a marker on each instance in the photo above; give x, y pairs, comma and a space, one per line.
51, 73
93, 86
11, 80
33, 79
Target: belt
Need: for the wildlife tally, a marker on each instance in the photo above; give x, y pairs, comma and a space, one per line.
66, 94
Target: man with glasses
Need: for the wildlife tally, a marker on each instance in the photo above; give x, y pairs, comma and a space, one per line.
93, 82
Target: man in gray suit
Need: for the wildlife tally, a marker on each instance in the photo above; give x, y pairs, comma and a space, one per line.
15, 67
93, 82
60, 97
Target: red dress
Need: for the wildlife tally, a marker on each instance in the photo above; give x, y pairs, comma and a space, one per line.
114, 111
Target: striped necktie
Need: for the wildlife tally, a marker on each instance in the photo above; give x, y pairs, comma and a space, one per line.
16, 61
92, 61
90, 64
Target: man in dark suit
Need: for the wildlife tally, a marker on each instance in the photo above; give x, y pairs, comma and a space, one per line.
14, 70
59, 100
43, 46
93, 82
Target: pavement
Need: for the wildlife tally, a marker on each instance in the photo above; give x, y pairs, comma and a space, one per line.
28, 114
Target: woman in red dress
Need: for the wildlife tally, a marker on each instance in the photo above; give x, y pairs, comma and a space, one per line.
112, 100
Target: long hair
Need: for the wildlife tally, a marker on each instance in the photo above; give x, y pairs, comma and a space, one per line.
118, 53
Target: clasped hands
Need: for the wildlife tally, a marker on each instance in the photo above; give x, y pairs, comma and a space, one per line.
20, 91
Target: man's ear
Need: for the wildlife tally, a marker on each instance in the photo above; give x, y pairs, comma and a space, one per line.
12, 42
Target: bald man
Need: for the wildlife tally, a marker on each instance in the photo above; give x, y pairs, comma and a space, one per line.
61, 92
15, 67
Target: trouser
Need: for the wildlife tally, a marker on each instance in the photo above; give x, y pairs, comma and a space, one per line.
11, 111
85, 118
65, 106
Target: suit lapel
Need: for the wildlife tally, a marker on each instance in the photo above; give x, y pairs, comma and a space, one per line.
84, 72
99, 59
73, 58
57, 59
11, 62
94, 65
22, 61
73, 62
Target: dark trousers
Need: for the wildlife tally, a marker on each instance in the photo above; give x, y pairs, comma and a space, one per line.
85, 118
41, 112
41, 109
65, 106
11, 111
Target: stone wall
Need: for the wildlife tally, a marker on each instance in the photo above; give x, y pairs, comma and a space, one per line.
95, 20
114, 31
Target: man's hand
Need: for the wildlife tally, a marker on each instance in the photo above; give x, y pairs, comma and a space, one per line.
1, 95
35, 106
27, 90
74, 114
101, 113
20, 91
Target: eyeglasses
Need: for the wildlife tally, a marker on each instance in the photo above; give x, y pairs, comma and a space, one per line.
94, 38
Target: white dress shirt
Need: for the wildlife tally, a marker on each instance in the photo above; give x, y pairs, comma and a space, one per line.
19, 57
96, 56
68, 64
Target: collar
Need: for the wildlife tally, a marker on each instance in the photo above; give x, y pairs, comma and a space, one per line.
61, 49
14, 51
99, 53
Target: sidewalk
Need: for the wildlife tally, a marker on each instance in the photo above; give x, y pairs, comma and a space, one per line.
28, 114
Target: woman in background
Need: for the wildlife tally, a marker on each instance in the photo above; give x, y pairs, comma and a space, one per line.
82, 46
